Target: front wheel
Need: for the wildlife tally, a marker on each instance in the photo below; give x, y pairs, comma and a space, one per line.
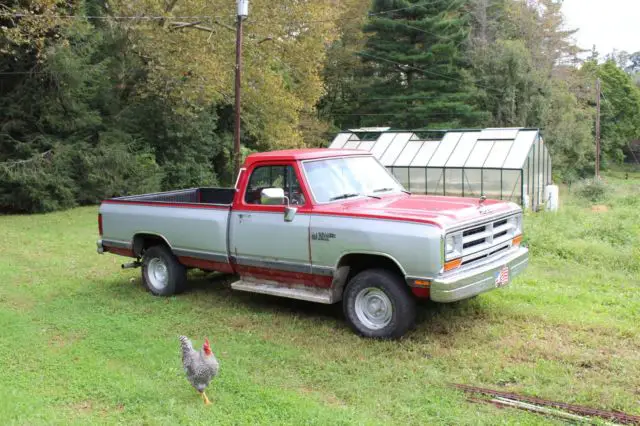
377, 303
162, 274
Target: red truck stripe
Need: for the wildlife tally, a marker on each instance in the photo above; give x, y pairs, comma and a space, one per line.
168, 204
205, 265
287, 277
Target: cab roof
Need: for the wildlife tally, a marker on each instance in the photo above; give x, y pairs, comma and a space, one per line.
302, 154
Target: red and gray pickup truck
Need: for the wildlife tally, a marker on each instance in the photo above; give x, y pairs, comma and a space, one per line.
326, 226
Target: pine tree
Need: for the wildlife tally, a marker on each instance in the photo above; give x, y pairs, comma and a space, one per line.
414, 73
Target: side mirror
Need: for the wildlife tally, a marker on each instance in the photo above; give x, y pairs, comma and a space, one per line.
276, 197
290, 213
272, 196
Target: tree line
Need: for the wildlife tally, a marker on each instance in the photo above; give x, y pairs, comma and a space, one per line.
103, 98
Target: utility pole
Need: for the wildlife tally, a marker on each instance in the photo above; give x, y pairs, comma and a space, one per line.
243, 11
598, 128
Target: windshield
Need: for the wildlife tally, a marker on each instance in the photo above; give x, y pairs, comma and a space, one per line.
341, 178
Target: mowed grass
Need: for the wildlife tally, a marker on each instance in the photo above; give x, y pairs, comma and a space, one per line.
82, 342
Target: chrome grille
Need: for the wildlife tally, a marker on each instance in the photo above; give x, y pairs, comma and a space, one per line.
483, 241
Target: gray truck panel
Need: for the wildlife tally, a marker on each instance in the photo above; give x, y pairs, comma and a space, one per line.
188, 231
414, 247
264, 239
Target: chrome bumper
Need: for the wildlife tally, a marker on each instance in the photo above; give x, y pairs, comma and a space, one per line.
100, 246
466, 283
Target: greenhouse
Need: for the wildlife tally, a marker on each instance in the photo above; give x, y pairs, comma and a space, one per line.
503, 163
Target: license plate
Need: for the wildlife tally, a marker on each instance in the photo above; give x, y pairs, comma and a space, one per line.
502, 277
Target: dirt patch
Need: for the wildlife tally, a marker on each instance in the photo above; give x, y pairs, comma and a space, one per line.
329, 399
59, 341
585, 348
19, 303
83, 407
599, 208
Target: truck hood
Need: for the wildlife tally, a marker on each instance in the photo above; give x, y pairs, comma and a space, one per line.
444, 212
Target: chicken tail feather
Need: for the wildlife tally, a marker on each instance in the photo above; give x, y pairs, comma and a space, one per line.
187, 346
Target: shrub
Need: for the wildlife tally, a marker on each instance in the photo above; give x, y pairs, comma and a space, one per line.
594, 190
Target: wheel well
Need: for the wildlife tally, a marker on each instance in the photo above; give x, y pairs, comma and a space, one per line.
359, 262
142, 242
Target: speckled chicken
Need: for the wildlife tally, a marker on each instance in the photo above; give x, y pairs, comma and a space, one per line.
200, 366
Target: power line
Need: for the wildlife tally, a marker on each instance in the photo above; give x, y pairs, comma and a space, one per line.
370, 14
425, 71
123, 17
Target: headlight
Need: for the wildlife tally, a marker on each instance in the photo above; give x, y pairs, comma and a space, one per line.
516, 223
453, 246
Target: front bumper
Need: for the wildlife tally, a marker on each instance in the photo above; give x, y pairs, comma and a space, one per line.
463, 284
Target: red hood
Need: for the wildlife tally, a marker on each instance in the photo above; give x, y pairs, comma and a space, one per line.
438, 210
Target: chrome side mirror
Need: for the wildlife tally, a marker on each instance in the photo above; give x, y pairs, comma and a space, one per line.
272, 196
276, 197
290, 213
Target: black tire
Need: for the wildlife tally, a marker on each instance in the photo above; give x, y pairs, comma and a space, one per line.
370, 285
176, 273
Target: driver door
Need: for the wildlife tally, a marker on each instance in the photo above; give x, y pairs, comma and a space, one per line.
263, 245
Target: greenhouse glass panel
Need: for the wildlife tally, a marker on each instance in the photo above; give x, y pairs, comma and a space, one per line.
498, 153
434, 181
445, 149
472, 182
351, 145
525, 180
418, 180
479, 154
453, 182
402, 174
366, 145
340, 140
511, 188
498, 134
382, 144
520, 150
425, 153
395, 148
491, 184
407, 155
463, 149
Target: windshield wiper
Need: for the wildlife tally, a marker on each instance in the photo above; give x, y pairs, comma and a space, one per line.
390, 189
350, 195
343, 196
383, 189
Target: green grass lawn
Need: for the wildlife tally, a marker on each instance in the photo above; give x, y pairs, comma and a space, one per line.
81, 341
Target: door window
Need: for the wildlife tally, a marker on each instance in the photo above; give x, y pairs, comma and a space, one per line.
274, 177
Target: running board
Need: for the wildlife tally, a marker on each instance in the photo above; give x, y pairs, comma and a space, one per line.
318, 295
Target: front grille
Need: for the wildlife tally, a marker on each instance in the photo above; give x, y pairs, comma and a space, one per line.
489, 239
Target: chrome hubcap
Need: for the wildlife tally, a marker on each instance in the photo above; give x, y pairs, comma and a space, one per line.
157, 273
373, 308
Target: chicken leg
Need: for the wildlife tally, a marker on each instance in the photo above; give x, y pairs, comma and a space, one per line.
205, 399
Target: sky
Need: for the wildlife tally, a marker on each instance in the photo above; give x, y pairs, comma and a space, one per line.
609, 24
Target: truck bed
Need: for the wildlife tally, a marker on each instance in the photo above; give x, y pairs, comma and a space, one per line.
216, 196
193, 223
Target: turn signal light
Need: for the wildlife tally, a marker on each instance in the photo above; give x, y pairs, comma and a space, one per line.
422, 283
452, 264
517, 240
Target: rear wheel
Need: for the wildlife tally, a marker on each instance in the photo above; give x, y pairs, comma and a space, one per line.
377, 303
162, 274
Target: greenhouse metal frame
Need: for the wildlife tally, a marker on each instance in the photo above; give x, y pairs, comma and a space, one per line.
502, 163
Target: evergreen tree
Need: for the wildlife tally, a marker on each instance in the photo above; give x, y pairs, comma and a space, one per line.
415, 68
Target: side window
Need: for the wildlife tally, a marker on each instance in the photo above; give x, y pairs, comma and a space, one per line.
274, 177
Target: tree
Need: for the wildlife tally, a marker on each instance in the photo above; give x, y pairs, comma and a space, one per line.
620, 110
284, 50
414, 72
